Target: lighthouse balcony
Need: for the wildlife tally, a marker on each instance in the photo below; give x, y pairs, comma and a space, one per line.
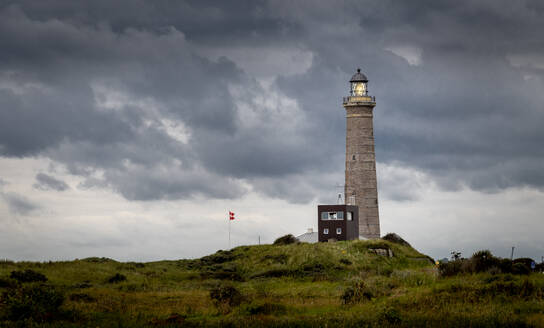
359, 99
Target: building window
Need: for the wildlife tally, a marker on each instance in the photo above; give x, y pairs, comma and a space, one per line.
353, 157
338, 231
349, 216
332, 215
326, 231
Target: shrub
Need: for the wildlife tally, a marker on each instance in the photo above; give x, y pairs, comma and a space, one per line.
7, 283
219, 257
345, 261
82, 297
505, 265
356, 293
27, 276
286, 240
266, 308
520, 268
483, 261
173, 320
311, 268
98, 260
450, 268
394, 238
117, 278
37, 302
526, 261
391, 315
85, 284
225, 297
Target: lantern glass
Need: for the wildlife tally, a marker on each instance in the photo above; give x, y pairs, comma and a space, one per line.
358, 89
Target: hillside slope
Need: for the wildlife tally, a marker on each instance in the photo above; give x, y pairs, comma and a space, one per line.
336, 284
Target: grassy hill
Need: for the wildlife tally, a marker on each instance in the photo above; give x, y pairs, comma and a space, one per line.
305, 285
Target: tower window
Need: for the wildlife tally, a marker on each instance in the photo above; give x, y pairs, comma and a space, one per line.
326, 231
349, 216
353, 157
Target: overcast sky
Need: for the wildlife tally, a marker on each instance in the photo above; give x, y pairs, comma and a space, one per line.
129, 129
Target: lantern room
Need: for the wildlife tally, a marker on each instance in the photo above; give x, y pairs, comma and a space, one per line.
358, 84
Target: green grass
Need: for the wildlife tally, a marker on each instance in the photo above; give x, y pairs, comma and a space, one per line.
296, 285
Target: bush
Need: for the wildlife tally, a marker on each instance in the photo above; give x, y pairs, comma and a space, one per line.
450, 268
37, 302
345, 261
286, 240
391, 315
266, 308
225, 296
7, 283
27, 276
505, 265
356, 293
520, 268
483, 261
394, 238
218, 258
98, 260
82, 297
117, 278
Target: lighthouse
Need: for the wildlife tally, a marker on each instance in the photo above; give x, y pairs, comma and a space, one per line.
361, 187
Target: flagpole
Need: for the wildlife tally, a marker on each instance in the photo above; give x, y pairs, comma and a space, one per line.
229, 231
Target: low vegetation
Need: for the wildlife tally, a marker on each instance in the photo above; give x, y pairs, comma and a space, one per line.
288, 284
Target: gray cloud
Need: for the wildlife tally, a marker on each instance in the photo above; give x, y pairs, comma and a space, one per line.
18, 204
93, 87
47, 182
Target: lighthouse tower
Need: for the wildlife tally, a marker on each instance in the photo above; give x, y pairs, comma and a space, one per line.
361, 186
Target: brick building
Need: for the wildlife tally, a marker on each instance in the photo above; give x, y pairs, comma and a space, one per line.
337, 222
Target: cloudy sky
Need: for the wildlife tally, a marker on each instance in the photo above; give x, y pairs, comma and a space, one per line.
129, 129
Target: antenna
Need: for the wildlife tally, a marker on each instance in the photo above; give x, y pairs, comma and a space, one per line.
339, 200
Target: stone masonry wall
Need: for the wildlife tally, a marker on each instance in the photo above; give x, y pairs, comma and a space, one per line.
361, 183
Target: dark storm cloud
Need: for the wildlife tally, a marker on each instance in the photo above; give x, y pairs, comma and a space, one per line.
47, 182
96, 86
465, 114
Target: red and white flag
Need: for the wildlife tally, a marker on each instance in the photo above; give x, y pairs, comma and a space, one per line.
231, 215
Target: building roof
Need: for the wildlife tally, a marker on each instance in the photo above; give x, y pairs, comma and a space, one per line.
309, 237
358, 77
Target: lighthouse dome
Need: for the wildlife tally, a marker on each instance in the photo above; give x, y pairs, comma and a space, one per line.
358, 77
